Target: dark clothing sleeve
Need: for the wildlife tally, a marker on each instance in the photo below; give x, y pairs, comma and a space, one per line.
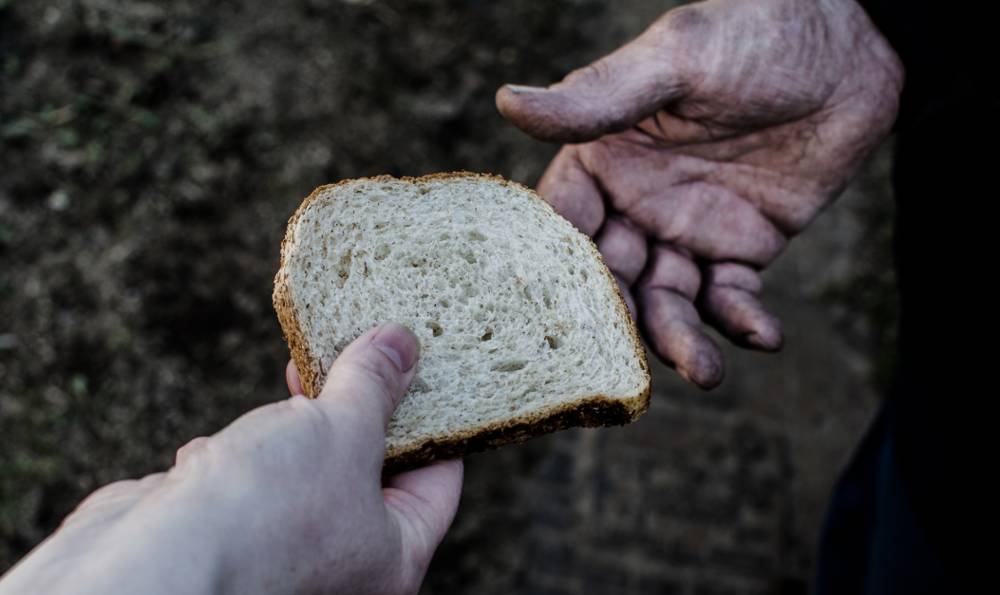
935, 417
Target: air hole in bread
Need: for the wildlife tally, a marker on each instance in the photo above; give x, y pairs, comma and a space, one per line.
381, 251
344, 268
487, 335
477, 236
436, 329
511, 366
553, 342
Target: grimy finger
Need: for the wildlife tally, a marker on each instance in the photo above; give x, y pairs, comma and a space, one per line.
572, 191
607, 96
623, 247
708, 219
666, 295
627, 296
729, 303
673, 329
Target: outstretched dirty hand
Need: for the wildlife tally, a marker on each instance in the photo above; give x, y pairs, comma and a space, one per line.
700, 148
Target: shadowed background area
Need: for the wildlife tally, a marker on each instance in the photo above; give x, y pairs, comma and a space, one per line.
150, 155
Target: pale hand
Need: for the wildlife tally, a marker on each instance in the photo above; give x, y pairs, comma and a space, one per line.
287, 499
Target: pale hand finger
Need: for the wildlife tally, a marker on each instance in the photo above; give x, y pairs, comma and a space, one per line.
292, 379
424, 502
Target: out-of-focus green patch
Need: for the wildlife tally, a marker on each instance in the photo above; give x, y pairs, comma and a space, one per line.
18, 475
18, 128
145, 118
205, 121
30, 461
67, 137
57, 116
78, 385
11, 63
48, 119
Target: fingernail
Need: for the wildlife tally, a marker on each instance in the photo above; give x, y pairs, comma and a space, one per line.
518, 89
398, 344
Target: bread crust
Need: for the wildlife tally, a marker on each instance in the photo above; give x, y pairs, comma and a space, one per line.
590, 411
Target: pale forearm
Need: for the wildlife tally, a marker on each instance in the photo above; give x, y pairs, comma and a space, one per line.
159, 545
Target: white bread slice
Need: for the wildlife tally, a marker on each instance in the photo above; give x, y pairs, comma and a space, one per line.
523, 330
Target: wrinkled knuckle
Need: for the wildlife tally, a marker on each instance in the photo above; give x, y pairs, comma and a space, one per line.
110, 491
107, 493
191, 450
593, 85
684, 19
593, 74
151, 479
734, 276
198, 458
798, 214
310, 414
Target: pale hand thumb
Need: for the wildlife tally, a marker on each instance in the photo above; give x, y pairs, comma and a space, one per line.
424, 502
370, 377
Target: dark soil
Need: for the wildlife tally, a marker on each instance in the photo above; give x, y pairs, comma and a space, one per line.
150, 155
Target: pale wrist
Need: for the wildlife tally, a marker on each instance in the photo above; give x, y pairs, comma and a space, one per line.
164, 544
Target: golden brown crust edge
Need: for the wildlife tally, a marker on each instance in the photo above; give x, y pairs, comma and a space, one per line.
596, 410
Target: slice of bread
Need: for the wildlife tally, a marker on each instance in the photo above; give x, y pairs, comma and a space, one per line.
523, 330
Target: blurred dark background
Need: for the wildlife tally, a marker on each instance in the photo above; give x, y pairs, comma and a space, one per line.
150, 155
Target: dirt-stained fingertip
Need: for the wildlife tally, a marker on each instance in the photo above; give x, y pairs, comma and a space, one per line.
705, 372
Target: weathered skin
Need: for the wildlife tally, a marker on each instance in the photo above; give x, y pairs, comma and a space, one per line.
703, 146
